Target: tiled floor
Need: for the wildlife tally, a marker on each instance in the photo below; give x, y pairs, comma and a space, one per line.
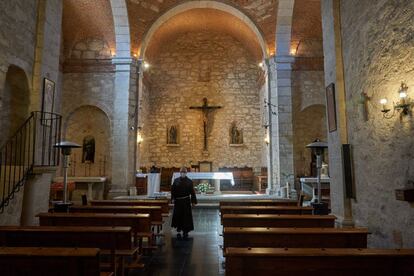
200, 255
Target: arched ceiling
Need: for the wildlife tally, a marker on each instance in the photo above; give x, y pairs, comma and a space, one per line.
210, 20
143, 13
93, 19
87, 19
307, 28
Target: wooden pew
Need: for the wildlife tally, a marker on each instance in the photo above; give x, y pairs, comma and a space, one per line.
292, 210
18, 261
318, 261
259, 202
295, 237
116, 240
154, 211
140, 223
303, 221
164, 203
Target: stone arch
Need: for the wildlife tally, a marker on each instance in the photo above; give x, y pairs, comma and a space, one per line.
200, 5
14, 101
284, 27
90, 121
122, 33
309, 124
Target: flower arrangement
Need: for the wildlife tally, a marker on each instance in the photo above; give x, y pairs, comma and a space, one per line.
203, 187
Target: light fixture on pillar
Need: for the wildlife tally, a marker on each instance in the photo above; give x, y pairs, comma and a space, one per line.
66, 149
318, 147
403, 106
267, 135
139, 136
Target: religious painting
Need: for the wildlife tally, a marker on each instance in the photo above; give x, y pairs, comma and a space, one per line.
48, 101
236, 134
88, 149
172, 135
331, 108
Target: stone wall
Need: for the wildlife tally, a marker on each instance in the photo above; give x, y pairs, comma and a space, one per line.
87, 110
96, 126
17, 43
91, 48
194, 66
377, 46
378, 54
143, 156
309, 119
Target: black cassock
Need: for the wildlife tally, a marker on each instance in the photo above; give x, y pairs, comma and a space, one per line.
182, 194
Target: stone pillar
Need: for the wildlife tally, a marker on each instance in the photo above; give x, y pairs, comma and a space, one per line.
332, 47
281, 126
122, 164
120, 128
280, 99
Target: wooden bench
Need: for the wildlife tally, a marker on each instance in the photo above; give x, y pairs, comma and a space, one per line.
292, 210
319, 261
295, 237
164, 203
114, 241
140, 223
303, 221
154, 211
259, 202
18, 261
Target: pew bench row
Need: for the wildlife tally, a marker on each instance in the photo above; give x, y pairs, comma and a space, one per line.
37, 261
318, 261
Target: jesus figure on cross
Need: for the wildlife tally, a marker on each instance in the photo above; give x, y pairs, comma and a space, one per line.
207, 110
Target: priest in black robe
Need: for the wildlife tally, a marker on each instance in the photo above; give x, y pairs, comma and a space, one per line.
183, 197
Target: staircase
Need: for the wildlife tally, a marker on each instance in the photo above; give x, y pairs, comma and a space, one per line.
31, 146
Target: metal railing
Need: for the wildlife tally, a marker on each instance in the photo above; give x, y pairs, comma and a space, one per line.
30, 146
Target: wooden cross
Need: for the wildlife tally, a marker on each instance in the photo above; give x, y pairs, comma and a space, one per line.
206, 109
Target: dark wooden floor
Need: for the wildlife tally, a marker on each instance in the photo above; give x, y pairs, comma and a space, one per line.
199, 255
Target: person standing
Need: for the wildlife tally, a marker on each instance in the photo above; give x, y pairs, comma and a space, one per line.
184, 198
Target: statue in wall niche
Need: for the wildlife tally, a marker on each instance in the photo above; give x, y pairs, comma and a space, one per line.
88, 149
236, 134
172, 135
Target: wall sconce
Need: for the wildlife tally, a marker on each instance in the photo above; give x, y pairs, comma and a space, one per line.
403, 105
139, 136
267, 136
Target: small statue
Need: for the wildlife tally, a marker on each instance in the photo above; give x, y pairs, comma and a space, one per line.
88, 154
236, 136
172, 135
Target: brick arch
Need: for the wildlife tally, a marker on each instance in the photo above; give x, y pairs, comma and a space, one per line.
207, 5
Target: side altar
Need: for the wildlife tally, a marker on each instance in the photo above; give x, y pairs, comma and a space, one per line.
96, 184
216, 176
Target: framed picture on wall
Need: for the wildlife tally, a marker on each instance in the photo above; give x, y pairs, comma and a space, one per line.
48, 101
331, 107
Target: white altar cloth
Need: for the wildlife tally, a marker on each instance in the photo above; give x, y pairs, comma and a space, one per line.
309, 185
153, 183
206, 175
216, 176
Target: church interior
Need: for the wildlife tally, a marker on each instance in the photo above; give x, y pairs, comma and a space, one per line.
294, 119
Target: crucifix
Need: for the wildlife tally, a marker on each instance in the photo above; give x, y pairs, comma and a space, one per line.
207, 110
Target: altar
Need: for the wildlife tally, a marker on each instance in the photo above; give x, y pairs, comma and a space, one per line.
216, 176
95, 183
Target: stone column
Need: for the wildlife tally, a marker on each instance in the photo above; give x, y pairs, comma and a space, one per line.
120, 128
281, 126
332, 48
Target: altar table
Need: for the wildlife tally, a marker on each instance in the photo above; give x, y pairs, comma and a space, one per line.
90, 180
216, 176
